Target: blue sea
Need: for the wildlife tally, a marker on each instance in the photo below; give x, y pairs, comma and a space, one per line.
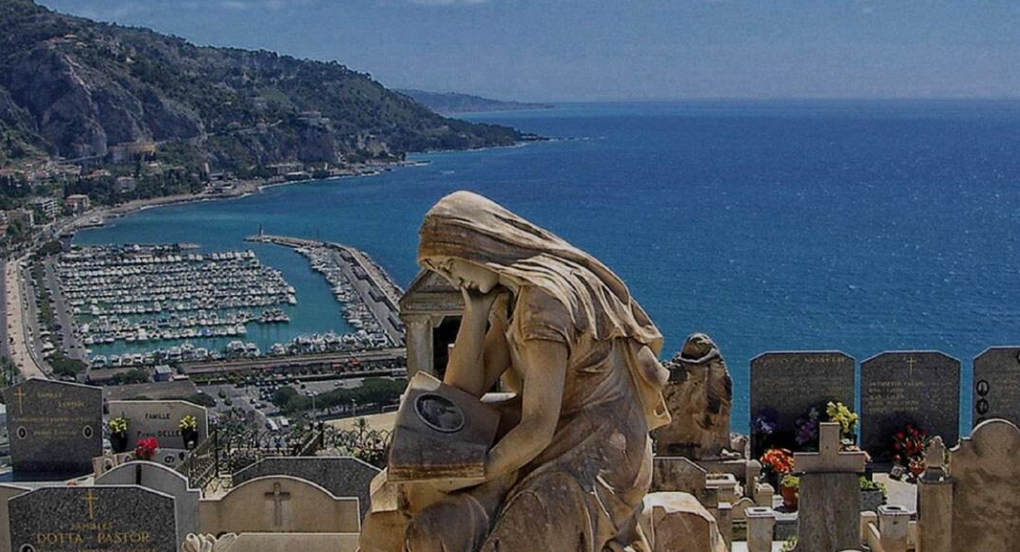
853, 225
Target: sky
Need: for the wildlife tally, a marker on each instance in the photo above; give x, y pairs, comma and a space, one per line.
612, 50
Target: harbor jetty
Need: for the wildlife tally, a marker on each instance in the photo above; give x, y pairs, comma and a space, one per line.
366, 292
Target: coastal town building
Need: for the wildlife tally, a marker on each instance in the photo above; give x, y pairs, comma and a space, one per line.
125, 184
77, 203
47, 206
22, 216
130, 151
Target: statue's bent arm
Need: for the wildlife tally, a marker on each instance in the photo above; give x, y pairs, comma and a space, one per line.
543, 365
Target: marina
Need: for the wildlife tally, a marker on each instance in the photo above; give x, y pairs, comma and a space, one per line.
141, 305
367, 294
135, 294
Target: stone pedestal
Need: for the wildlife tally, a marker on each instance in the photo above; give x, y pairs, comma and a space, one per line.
893, 523
935, 504
724, 517
752, 471
830, 496
760, 524
764, 494
830, 506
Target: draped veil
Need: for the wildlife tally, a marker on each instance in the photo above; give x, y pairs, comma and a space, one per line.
468, 226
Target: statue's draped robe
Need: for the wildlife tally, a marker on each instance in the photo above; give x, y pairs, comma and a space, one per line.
584, 491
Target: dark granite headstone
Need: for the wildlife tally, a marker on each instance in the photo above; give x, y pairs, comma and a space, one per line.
162, 479
785, 386
54, 427
107, 519
921, 388
997, 385
343, 476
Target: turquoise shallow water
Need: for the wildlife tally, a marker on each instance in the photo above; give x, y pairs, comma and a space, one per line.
860, 226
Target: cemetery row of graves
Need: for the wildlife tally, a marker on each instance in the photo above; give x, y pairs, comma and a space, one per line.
906, 398
71, 493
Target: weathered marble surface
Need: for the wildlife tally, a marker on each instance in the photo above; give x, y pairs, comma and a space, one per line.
986, 489
677, 521
341, 476
279, 504
441, 432
273, 542
159, 420
699, 396
560, 331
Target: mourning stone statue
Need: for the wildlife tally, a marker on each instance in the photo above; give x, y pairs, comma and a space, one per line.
577, 358
699, 396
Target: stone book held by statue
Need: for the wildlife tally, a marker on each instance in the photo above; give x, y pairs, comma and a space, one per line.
441, 433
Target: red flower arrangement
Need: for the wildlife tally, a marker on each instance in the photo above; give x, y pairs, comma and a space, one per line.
146, 449
778, 461
909, 445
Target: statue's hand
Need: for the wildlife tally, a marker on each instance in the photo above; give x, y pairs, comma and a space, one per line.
478, 304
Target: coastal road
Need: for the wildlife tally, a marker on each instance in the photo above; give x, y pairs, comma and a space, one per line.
17, 324
5, 339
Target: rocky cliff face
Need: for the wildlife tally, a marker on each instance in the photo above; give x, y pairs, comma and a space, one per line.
79, 87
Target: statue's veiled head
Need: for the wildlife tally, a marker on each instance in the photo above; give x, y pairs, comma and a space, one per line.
465, 233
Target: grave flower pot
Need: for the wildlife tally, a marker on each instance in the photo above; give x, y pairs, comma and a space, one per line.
871, 500
917, 467
190, 437
790, 497
119, 442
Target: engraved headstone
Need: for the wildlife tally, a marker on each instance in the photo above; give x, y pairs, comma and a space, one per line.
159, 420
441, 433
165, 480
785, 386
54, 427
111, 519
921, 388
997, 385
342, 476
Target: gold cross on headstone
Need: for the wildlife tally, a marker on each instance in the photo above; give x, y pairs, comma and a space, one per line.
91, 500
911, 362
20, 394
829, 459
278, 498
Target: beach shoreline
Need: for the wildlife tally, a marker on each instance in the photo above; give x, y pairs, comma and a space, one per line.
240, 189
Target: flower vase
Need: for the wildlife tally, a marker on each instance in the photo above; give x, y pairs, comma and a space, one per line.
118, 442
791, 499
190, 438
917, 467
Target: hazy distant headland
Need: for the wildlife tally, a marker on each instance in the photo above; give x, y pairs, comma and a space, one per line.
453, 102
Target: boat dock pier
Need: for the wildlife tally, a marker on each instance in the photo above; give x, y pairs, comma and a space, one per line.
369, 295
